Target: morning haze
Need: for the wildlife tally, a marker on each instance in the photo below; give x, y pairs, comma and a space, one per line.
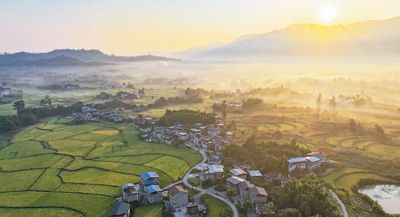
200, 108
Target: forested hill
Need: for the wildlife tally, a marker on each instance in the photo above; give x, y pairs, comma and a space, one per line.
70, 57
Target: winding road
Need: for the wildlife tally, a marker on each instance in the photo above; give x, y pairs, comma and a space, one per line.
204, 191
340, 202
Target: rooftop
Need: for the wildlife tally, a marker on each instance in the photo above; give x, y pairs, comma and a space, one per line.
148, 175
313, 159
255, 173
237, 172
259, 191
176, 189
120, 208
235, 180
153, 188
216, 168
296, 160
130, 188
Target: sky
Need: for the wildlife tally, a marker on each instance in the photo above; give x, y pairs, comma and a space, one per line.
130, 27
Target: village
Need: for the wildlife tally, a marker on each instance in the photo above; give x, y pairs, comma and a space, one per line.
240, 186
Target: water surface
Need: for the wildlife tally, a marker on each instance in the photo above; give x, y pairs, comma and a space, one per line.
388, 196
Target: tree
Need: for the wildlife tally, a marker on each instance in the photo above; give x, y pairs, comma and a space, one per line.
19, 106
45, 101
352, 125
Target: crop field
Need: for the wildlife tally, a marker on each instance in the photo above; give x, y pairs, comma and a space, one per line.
347, 177
77, 170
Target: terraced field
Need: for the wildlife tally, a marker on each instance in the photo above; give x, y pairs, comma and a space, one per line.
347, 177
76, 170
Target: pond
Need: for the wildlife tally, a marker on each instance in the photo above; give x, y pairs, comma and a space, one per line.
388, 196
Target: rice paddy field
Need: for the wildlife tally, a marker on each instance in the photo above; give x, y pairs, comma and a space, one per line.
58, 169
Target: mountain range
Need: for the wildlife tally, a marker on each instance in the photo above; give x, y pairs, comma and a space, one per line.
377, 38
71, 57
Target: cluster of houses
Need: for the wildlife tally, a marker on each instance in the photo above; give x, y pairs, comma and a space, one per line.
199, 135
148, 191
310, 162
241, 187
90, 113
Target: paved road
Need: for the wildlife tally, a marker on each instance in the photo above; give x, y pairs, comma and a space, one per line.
203, 191
340, 202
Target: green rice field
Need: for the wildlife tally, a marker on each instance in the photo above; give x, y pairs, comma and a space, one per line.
58, 169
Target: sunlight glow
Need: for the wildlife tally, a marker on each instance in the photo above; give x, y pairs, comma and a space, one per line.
328, 14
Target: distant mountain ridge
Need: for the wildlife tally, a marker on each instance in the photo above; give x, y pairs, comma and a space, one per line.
71, 57
362, 39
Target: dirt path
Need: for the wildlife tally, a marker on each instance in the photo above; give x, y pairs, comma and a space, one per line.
340, 202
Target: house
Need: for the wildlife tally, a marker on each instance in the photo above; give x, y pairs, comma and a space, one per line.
130, 192
121, 209
238, 172
255, 176
196, 209
297, 163
244, 190
233, 184
215, 171
319, 155
313, 162
153, 193
309, 162
215, 160
149, 178
182, 136
258, 195
178, 197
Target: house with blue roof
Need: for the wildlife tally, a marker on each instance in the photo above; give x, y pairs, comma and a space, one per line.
153, 193
149, 178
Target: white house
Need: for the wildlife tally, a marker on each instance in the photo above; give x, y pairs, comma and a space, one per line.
130, 192
297, 163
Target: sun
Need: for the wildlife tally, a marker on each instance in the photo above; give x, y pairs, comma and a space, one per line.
328, 14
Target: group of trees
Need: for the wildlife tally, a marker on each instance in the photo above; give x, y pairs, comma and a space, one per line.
186, 117
268, 157
28, 116
305, 197
162, 101
248, 104
251, 103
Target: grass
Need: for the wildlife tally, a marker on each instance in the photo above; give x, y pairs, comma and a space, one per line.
22, 149
72, 147
214, 206
73, 170
148, 211
347, 177
32, 162
17, 181
173, 166
97, 176
48, 180
39, 212
90, 189
81, 202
